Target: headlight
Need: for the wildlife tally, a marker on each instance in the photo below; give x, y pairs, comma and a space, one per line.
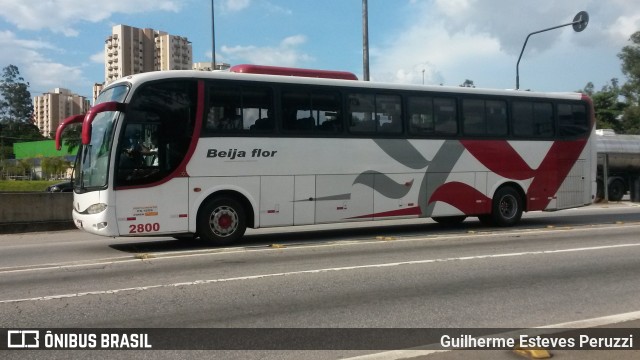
54, 189
95, 208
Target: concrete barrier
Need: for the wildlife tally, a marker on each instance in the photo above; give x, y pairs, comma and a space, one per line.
23, 212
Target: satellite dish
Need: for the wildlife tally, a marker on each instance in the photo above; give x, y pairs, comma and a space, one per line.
580, 21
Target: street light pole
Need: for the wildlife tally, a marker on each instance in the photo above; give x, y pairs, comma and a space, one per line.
579, 23
213, 36
365, 40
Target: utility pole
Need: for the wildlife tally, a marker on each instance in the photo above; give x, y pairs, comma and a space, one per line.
213, 35
579, 23
365, 40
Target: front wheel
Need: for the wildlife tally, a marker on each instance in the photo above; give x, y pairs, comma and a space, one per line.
221, 221
507, 207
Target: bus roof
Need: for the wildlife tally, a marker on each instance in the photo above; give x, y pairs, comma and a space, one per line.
287, 71
299, 80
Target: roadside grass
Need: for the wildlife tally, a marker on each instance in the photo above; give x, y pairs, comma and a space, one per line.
26, 185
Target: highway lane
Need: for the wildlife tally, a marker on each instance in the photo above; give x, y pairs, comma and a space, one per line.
36, 249
556, 267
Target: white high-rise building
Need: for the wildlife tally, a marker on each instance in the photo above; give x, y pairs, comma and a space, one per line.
52, 107
129, 50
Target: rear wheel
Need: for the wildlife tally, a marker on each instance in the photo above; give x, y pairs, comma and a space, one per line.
616, 190
507, 207
221, 221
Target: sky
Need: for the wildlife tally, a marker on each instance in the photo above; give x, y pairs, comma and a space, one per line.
60, 43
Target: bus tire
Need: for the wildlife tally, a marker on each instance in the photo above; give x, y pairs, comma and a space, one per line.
221, 221
507, 207
449, 220
616, 190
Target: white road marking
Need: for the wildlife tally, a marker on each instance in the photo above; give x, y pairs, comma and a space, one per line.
580, 324
225, 251
324, 270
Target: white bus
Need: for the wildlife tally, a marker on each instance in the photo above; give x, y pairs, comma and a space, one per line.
189, 153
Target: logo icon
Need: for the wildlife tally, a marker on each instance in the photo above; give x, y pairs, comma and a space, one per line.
23, 339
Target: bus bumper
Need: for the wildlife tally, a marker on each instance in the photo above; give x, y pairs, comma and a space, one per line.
99, 224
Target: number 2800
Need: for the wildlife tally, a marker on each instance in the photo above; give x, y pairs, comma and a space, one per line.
143, 228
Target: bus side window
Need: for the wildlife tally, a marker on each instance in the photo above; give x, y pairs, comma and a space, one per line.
224, 110
257, 109
572, 120
532, 119
157, 132
361, 111
445, 116
484, 117
420, 110
389, 114
375, 113
310, 111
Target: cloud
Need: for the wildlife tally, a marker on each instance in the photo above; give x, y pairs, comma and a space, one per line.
98, 57
235, 5
430, 47
60, 16
42, 74
285, 54
456, 39
231, 6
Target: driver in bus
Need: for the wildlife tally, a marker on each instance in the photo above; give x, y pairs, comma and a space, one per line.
133, 154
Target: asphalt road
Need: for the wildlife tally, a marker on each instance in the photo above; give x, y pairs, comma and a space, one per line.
554, 268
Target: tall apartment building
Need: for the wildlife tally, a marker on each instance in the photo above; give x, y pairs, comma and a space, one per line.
130, 50
52, 107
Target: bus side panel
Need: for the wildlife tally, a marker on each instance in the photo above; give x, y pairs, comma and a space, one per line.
276, 200
396, 195
159, 209
462, 194
572, 191
304, 206
344, 198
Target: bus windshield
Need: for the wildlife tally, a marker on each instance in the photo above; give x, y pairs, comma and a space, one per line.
94, 161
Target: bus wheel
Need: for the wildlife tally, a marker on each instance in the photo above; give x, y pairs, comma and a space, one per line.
221, 221
616, 190
507, 207
449, 220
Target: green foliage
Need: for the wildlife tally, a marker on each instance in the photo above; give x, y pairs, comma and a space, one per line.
630, 56
608, 105
25, 186
16, 112
72, 137
54, 167
15, 99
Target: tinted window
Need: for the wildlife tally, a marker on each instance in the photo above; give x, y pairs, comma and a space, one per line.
432, 116
375, 113
532, 119
238, 109
157, 132
484, 117
572, 119
304, 111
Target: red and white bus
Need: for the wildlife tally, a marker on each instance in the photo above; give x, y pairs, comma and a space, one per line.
189, 153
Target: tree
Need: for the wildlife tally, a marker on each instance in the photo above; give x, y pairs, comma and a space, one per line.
468, 83
15, 99
607, 104
54, 167
630, 56
16, 112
